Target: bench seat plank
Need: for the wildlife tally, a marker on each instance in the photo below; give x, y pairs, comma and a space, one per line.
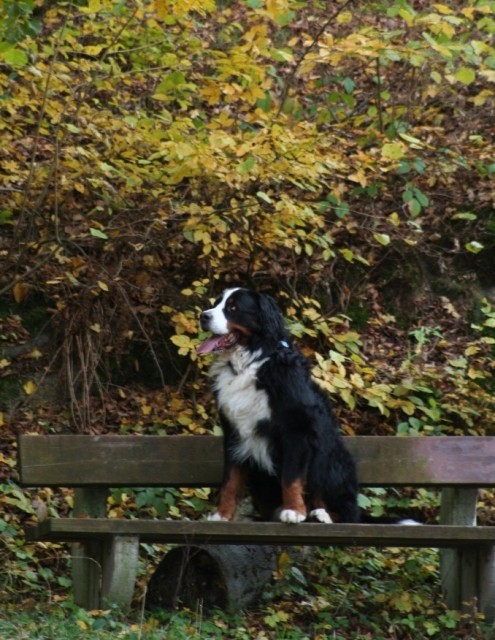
201, 532
197, 461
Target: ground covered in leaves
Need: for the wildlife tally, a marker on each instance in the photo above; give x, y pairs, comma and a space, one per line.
363, 594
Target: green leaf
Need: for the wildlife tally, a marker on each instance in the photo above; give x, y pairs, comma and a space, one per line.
414, 207
264, 103
15, 57
342, 210
4, 217
465, 75
421, 198
286, 18
404, 167
410, 139
464, 216
247, 165
171, 81
419, 165
262, 195
363, 501
349, 85
382, 238
98, 234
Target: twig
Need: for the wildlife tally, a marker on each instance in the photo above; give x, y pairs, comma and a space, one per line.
12, 284
32, 163
305, 53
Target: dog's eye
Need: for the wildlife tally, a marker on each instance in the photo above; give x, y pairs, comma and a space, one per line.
232, 308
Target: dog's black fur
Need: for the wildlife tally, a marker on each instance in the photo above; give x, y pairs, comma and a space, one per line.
285, 445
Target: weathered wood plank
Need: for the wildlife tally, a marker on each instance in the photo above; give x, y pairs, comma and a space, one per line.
78, 461
197, 532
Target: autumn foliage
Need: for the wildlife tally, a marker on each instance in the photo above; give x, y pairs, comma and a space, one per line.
338, 155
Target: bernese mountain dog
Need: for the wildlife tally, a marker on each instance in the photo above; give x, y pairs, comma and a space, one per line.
281, 440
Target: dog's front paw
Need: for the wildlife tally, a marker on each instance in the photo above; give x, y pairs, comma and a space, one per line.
321, 515
217, 517
292, 517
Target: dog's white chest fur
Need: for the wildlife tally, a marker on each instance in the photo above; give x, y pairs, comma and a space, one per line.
242, 403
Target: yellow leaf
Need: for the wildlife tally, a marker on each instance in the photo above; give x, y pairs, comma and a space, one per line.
441, 8
392, 150
30, 387
35, 353
95, 327
394, 219
283, 562
344, 17
4, 363
81, 624
470, 351
146, 410
20, 291
102, 285
93, 50
161, 9
1, 419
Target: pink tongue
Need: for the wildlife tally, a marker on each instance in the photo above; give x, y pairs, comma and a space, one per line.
209, 344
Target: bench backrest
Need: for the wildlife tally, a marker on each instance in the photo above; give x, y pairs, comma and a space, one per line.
197, 461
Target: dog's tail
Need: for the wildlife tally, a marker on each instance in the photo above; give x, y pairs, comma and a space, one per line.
367, 519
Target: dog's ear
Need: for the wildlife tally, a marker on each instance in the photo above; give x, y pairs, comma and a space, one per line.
272, 320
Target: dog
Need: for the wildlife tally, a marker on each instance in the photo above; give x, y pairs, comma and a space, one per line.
281, 440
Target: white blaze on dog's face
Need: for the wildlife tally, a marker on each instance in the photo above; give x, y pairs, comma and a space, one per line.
216, 317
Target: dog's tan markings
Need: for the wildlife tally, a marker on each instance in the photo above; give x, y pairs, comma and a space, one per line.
232, 326
229, 495
293, 497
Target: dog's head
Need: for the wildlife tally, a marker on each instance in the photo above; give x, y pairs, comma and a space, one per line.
238, 317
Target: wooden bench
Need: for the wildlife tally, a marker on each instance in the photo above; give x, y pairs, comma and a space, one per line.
105, 560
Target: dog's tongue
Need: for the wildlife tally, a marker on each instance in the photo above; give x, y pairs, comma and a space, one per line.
209, 344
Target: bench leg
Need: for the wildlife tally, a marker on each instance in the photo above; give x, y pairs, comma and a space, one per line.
486, 564
87, 565
105, 572
102, 571
458, 568
88, 557
120, 563
467, 575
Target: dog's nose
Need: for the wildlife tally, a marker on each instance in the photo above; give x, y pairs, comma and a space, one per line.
204, 319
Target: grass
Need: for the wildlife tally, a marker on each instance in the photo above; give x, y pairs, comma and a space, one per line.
332, 594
